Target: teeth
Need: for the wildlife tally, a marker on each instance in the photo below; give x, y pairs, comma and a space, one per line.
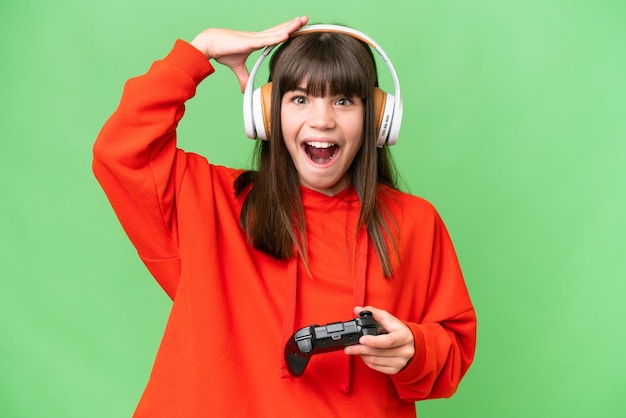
316, 144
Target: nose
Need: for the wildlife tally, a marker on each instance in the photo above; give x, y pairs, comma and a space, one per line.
321, 115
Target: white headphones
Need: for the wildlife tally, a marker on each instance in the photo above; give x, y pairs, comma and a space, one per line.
257, 102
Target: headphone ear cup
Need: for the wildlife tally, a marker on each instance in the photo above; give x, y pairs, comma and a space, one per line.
266, 106
383, 115
261, 110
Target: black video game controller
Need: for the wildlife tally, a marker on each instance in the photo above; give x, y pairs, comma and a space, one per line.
316, 339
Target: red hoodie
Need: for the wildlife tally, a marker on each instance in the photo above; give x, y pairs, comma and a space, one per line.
235, 307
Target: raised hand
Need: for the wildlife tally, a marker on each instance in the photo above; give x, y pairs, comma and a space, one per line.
232, 48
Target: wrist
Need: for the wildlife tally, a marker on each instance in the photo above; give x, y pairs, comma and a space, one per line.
201, 45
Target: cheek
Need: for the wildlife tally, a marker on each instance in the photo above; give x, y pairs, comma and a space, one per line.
287, 124
356, 131
289, 135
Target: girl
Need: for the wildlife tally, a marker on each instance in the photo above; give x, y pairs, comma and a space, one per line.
315, 233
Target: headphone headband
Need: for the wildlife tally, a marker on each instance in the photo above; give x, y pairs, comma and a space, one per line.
390, 119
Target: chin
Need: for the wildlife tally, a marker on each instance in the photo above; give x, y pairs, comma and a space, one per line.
325, 187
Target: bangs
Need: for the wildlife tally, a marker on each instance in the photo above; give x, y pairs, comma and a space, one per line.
329, 64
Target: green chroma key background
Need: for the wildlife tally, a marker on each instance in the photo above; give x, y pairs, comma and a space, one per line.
513, 127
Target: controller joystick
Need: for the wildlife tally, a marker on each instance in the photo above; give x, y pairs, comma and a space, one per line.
316, 339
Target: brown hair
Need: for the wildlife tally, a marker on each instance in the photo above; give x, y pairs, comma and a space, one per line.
272, 213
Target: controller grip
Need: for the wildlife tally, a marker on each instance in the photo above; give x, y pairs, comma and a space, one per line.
296, 361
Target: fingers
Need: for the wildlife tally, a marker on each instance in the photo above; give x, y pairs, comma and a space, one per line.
282, 31
388, 322
386, 365
384, 360
271, 36
396, 333
389, 352
233, 45
382, 346
276, 34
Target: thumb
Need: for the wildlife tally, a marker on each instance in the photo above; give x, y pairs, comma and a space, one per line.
241, 72
387, 322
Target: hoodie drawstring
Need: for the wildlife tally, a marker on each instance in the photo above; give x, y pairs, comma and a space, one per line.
360, 275
289, 316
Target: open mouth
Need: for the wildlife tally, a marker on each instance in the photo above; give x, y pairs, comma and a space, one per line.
320, 152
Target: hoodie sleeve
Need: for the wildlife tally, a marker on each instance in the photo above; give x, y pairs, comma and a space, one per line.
137, 163
445, 336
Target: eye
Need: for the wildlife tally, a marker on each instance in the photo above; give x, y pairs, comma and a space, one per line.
344, 101
299, 100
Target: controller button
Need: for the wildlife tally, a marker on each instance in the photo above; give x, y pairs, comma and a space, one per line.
338, 327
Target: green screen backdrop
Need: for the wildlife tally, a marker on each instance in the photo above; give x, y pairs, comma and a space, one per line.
513, 127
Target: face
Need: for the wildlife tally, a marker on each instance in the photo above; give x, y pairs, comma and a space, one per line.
322, 135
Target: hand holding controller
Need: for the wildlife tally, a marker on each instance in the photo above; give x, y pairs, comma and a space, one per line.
316, 339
